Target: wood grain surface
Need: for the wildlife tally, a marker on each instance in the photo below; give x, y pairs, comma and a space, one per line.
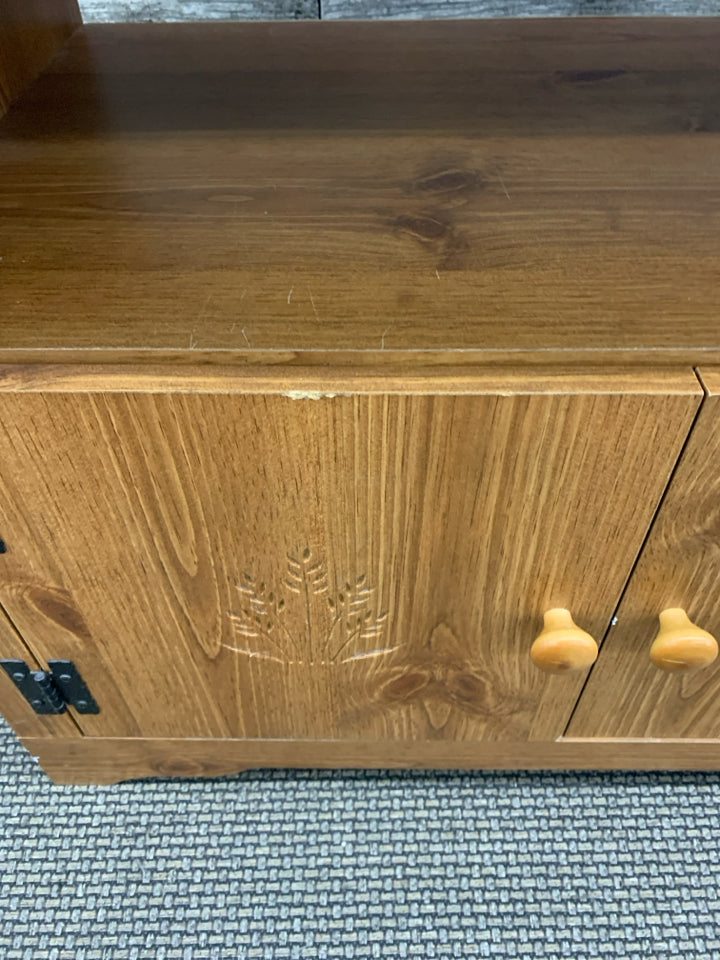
358, 566
626, 696
490, 186
101, 760
31, 31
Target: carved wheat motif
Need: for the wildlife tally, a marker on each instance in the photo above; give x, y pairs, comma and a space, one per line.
303, 622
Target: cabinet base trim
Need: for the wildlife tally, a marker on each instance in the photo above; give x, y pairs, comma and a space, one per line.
111, 760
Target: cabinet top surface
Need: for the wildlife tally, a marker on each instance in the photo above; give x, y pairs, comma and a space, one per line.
500, 189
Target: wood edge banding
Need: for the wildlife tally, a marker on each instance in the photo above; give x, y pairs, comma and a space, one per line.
312, 383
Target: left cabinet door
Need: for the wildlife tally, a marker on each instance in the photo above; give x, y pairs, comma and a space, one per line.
323, 557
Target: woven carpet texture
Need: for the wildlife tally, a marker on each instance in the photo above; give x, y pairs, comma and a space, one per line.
309, 864
120, 10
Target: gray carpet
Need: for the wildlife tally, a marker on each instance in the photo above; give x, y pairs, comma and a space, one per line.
120, 10
307, 864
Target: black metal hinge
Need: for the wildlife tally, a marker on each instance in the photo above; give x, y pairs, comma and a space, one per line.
51, 691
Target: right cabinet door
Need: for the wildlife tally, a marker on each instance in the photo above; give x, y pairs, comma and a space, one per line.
679, 567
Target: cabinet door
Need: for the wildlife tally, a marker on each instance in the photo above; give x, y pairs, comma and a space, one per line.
351, 557
626, 696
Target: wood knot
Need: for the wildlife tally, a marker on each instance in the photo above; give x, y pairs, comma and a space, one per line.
406, 685
467, 688
426, 229
57, 605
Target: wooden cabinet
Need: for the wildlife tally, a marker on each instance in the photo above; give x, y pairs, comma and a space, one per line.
318, 391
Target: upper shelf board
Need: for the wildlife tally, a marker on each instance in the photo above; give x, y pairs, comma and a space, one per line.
503, 188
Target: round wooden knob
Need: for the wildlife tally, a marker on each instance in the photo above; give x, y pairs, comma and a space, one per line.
680, 645
563, 646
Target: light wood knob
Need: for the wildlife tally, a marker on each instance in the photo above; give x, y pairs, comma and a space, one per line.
680, 645
563, 646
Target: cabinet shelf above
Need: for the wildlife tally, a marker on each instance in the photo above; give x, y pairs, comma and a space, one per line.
480, 190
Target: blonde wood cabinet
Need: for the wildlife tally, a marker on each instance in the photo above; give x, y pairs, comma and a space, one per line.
332, 358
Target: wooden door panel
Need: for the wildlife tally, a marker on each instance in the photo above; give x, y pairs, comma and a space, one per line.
372, 564
13, 705
626, 696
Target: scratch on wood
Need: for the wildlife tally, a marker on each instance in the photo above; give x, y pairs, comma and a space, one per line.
382, 338
502, 184
312, 395
370, 654
312, 301
290, 294
247, 341
253, 653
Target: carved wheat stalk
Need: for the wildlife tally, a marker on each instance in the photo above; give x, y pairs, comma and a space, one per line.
308, 581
